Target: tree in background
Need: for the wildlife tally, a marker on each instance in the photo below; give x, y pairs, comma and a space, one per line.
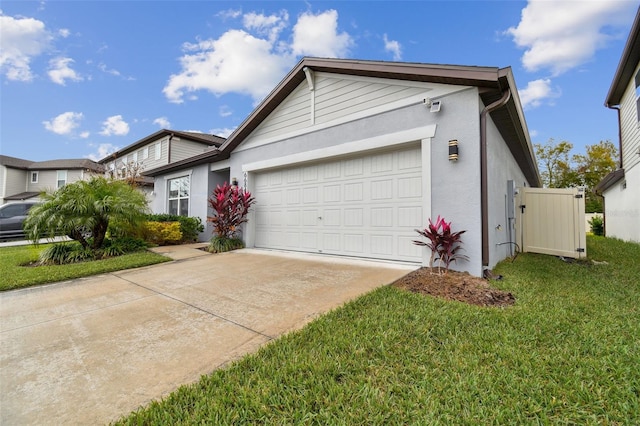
560, 170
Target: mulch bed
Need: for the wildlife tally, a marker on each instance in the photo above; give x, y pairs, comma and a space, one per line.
454, 285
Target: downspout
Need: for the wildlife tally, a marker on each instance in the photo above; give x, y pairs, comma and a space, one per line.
617, 108
604, 216
484, 192
169, 149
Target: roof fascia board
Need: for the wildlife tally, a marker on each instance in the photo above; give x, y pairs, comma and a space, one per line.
472, 76
626, 66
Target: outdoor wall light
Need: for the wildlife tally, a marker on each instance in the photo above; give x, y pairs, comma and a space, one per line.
234, 181
453, 150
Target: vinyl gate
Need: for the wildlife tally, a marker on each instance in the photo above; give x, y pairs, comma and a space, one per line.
551, 221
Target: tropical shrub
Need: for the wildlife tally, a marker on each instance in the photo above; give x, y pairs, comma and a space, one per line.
597, 225
163, 233
224, 244
189, 226
445, 245
230, 205
63, 253
85, 210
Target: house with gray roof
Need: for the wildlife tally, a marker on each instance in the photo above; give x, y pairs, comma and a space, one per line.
24, 179
159, 149
348, 158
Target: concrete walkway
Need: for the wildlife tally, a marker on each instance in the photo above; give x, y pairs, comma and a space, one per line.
90, 350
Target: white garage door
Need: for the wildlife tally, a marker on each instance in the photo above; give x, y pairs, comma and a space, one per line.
365, 206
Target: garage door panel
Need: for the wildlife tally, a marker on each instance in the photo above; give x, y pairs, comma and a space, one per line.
382, 245
309, 240
410, 187
354, 191
310, 217
382, 189
332, 193
410, 216
354, 244
331, 217
332, 242
367, 206
382, 217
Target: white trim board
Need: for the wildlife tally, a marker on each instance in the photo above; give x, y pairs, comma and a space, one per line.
377, 142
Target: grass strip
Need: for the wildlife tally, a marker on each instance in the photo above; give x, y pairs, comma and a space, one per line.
15, 275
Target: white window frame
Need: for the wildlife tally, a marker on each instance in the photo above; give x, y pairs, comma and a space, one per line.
158, 153
63, 180
135, 157
179, 196
145, 153
34, 175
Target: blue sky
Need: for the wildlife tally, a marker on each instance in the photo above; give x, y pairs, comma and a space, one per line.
84, 78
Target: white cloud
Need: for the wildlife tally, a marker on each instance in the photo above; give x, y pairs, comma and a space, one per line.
103, 151
229, 14
114, 125
536, 92
64, 33
65, 123
317, 35
102, 67
236, 62
394, 47
252, 60
60, 71
225, 111
21, 40
223, 132
162, 122
561, 35
271, 25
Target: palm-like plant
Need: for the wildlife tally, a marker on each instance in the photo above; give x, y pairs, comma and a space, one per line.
445, 245
84, 211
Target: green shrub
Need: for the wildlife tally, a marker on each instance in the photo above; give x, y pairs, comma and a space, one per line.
597, 225
224, 244
163, 233
189, 226
64, 253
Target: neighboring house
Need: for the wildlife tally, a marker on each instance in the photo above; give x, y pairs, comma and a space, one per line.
621, 188
159, 149
23, 179
348, 157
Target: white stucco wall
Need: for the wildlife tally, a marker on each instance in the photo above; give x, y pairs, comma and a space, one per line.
202, 182
455, 190
622, 207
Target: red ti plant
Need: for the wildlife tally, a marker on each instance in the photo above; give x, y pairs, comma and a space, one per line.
230, 205
444, 244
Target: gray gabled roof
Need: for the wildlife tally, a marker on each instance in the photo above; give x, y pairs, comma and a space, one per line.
74, 163
203, 138
15, 163
492, 81
628, 63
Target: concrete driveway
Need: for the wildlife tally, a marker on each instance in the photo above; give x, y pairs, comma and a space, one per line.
90, 350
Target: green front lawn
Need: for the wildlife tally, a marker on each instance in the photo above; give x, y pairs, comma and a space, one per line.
568, 352
14, 275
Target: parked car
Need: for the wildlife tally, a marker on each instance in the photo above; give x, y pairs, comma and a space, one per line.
12, 216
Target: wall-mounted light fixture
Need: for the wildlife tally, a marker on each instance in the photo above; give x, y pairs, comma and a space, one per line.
434, 106
234, 181
453, 150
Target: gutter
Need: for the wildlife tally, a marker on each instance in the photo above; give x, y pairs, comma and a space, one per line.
484, 192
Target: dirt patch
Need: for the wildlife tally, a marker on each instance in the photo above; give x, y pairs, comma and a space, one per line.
454, 285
